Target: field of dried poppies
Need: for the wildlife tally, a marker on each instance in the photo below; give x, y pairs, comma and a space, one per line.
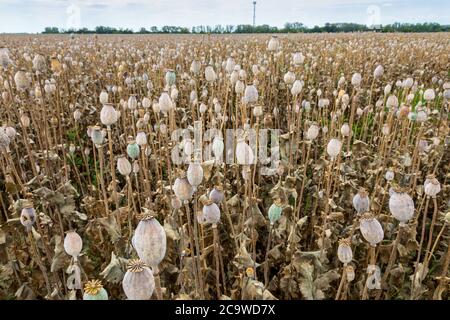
225, 167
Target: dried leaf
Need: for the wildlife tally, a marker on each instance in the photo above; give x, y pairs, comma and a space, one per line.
111, 227
115, 270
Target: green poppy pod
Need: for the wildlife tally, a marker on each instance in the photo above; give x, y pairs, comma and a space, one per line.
170, 77
97, 135
93, 290
412, 116
275, 212
133, 149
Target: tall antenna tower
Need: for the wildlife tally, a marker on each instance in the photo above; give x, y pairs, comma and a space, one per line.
254, 13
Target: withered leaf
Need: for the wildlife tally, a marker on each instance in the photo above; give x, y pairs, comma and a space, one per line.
115, 270
111, 226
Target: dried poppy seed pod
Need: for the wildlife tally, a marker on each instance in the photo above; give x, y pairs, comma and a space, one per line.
211, 212
378, 72
210, 74
21, 80
138, 282
275, 211
239, 87
124, 166
401, 206
432, 186
447, 94
28, 215
165, 102
344, 251
132, 149
195, 67
251, 94
244, 153
392, 102
361, 201
150, 241
195, 174
313, 132
356, 79
77, 115
389, 176
39, 63
141, 138
108, 115
183, 189
429, 94
408, 83
132, 102
289, 78
350, 273
297, 58
103, 97
273, 44
93, 290
188, 146
334, 148
202, 109
73, 244
296, 88
345, 130
4, 58
421, 116
371, 229
216, 195
25, 120
257, 111
10, 132
218, 147
230, 64
146, 103
4, 140
174, 94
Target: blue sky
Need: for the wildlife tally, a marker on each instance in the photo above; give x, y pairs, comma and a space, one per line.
35, 15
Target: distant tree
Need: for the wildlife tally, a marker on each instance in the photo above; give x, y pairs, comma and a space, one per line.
289, 27
229, 28
51, 30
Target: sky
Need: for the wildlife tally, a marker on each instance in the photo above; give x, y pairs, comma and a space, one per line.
33, 16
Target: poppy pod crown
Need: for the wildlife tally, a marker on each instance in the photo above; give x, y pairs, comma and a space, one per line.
344, 242
92, 287
277, 202
147, 215
207, 202
181, 174
27, 204
368, 216
136, 266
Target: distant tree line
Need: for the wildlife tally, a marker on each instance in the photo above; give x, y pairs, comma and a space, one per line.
290, 27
